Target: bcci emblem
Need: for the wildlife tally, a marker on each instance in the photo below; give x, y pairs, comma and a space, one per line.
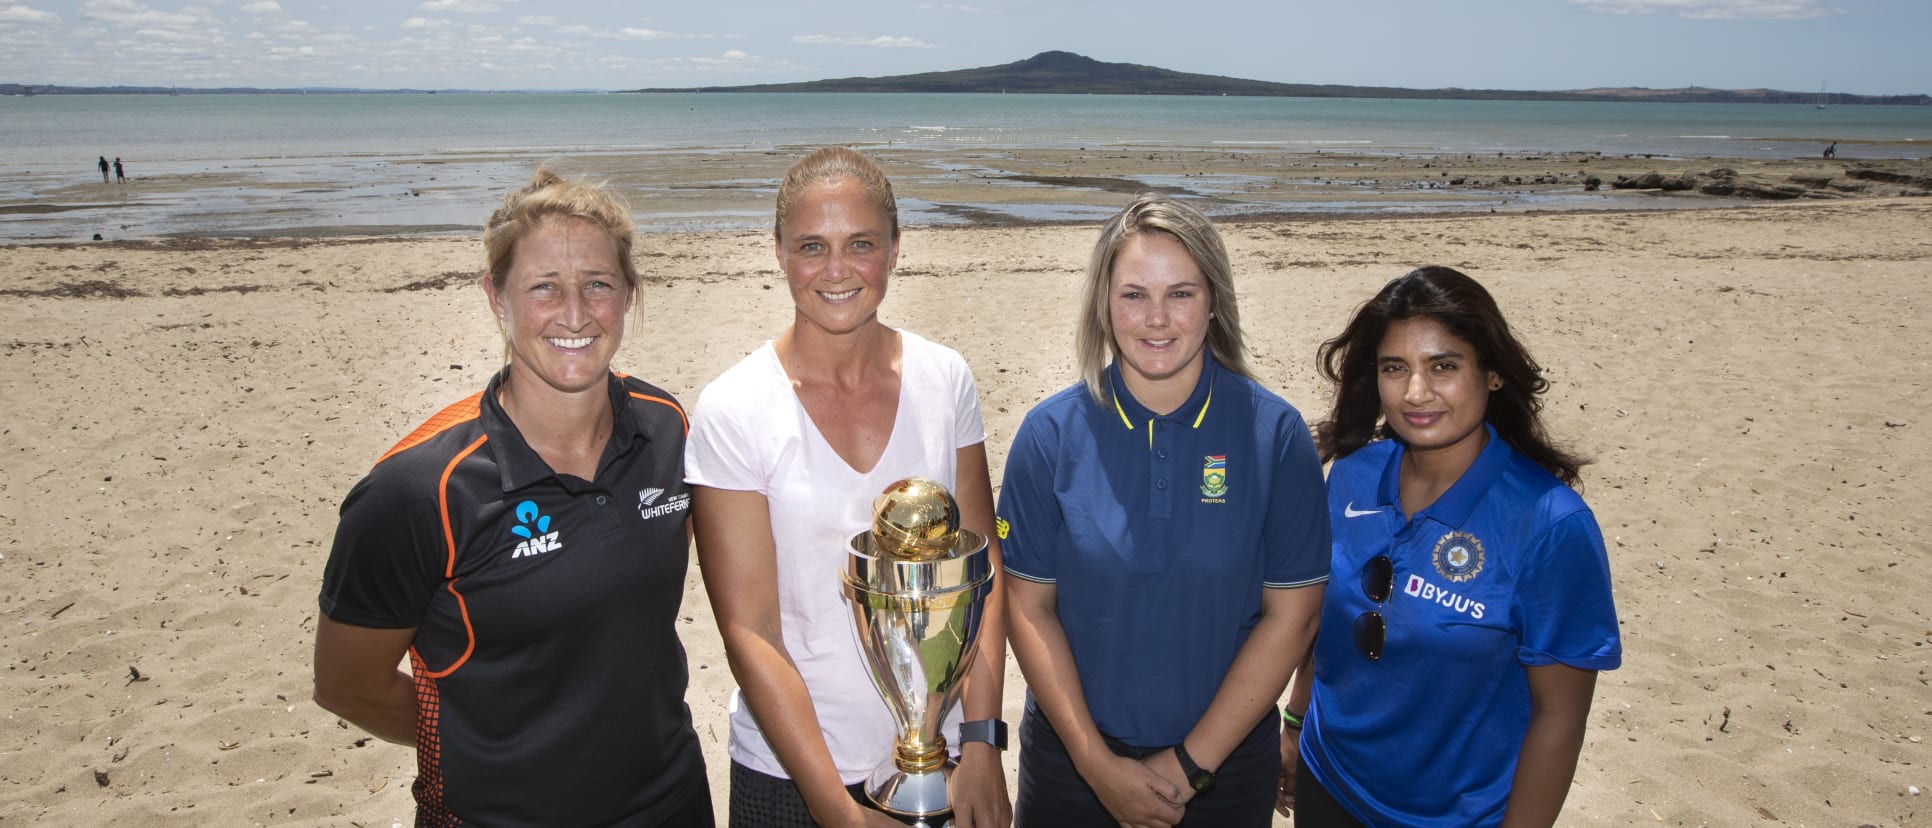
1214, 475
1459, 556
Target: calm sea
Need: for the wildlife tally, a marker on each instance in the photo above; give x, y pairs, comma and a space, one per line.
254, 147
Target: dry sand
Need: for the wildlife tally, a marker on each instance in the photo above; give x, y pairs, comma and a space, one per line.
183, 418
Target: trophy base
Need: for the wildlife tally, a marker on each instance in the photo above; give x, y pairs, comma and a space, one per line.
918, 795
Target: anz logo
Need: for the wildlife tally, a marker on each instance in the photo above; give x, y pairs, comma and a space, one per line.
534, 528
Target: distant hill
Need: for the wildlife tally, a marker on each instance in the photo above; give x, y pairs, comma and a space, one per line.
1068, 73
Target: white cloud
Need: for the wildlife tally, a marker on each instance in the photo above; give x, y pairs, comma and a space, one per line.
262, 7
1714, 9
167, 34
469, 6
881, 42
423, 23
638, 33
128, 14
735, 54
624, 33
24, 14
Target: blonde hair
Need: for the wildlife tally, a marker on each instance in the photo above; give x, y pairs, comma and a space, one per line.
1156, 213
550, 195
831, 164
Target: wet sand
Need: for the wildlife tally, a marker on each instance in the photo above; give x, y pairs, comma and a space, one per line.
706, 189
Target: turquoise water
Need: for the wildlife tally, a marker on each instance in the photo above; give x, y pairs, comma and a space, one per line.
46, 131
264, 148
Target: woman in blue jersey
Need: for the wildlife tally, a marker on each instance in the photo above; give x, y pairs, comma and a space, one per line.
1163, 522
1469, 609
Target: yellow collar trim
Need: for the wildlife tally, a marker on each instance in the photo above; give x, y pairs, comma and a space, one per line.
1199, 417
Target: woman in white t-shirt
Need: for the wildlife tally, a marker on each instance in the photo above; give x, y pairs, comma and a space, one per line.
787, 450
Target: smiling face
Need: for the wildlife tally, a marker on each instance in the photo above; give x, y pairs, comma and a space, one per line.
1434, 392
836, 248
561, 306
1159, 304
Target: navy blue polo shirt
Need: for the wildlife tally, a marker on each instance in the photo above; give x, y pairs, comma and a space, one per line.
1159, 533
1505, 571
548, 673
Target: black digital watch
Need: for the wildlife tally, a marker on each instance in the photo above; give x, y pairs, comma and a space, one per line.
1198, 778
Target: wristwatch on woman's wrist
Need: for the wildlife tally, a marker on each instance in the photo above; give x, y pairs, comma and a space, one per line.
990, 731
1197, 778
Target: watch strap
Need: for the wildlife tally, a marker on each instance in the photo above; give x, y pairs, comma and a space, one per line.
1198, 778
990, 731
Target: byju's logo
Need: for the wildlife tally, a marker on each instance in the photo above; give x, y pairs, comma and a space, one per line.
534, 528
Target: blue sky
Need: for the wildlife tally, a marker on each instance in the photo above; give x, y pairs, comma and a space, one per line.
1861, 46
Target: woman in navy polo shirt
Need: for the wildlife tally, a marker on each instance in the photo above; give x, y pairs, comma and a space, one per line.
1163, 522
1470, 609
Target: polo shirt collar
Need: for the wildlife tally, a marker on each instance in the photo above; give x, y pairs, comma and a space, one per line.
1455, 505
520, 465
1131, 414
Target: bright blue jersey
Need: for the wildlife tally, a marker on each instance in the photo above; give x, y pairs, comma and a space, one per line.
1159, 533
1506, 570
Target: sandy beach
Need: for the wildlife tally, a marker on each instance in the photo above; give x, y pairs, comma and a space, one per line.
184, 417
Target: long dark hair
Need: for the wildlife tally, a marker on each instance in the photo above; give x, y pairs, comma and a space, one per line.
1467, 310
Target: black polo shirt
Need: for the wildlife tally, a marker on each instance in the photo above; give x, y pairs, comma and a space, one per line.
549, 676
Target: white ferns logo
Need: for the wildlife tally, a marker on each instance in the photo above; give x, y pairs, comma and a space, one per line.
648, 507
534, 527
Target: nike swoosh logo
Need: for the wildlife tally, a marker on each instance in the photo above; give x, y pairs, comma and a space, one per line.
1351, 511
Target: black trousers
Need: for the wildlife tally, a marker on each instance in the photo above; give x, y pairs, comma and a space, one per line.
1053, 795
1315, 807
760, 800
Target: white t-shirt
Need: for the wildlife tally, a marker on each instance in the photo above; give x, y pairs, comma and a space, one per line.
749, 432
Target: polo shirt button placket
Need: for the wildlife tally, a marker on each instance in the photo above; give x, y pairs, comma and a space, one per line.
1160, 502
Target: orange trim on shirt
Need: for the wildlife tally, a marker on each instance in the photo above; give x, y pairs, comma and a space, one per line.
469, 631
459, 412
442, 504
449, 545
663, 401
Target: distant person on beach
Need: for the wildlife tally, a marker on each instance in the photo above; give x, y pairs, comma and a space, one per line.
120, 175
1470, 607
497, 547
103, 169
1165, 530
788, 449
1832, 151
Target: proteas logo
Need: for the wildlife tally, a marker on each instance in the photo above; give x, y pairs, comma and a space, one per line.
1214, 475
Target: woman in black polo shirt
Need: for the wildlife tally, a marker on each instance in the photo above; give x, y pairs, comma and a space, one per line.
526, 547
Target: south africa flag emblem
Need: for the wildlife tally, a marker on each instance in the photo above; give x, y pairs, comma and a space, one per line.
1214, 475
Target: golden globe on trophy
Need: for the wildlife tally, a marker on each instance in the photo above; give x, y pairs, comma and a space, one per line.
917, 584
